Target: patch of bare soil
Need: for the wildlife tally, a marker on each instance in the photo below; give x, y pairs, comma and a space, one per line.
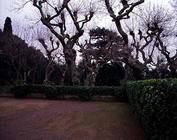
30, 119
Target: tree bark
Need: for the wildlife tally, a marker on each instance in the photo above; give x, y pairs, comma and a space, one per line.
172, 71
70, 57
48, 71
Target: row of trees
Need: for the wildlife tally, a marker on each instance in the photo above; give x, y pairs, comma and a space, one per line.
132, 52
143, 52
20, 62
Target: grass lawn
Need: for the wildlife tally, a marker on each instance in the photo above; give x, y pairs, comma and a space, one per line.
30, 119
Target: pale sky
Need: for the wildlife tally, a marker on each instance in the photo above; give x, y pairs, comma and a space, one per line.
7, 9
28, 13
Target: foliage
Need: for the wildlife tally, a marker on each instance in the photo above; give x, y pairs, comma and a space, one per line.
7, 26
5, 89
20, 62
155, 102
55, 92
102, 47
110, 75
20, 91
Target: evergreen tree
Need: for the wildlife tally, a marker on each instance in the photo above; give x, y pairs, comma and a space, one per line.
7, 26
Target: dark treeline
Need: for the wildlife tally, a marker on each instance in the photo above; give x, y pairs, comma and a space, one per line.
20, 62
103, 62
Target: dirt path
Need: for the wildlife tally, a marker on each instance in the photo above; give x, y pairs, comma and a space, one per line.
31, 119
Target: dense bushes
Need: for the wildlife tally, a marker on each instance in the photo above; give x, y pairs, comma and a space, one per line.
54, 92
155, 102
20, 91
5, 89
110, 75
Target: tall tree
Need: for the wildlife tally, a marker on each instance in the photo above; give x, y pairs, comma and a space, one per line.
157, 28
21, 60
124, 12
54, 16
7, 26
103, 46
49, 52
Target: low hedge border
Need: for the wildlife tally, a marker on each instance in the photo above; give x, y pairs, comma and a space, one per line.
55, 92
5, 89
155, 103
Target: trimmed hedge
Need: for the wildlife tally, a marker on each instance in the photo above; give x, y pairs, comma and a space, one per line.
55, 92
155, 103
5, 89
20, 91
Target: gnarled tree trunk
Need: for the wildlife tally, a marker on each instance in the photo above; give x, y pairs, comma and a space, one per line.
48, 71
70, 58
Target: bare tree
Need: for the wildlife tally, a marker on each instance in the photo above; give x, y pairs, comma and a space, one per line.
158, 27
50, 67
174, 4
123, 13
126, 8
55, 17
86, 66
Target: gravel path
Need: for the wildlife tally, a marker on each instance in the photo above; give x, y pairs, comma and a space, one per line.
31, 119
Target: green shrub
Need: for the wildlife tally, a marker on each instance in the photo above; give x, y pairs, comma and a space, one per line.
86, 92
50, 92
155, 102
20, 91
55, 92
5, 89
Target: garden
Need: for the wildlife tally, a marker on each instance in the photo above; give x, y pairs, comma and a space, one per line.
88, 69
154, 102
